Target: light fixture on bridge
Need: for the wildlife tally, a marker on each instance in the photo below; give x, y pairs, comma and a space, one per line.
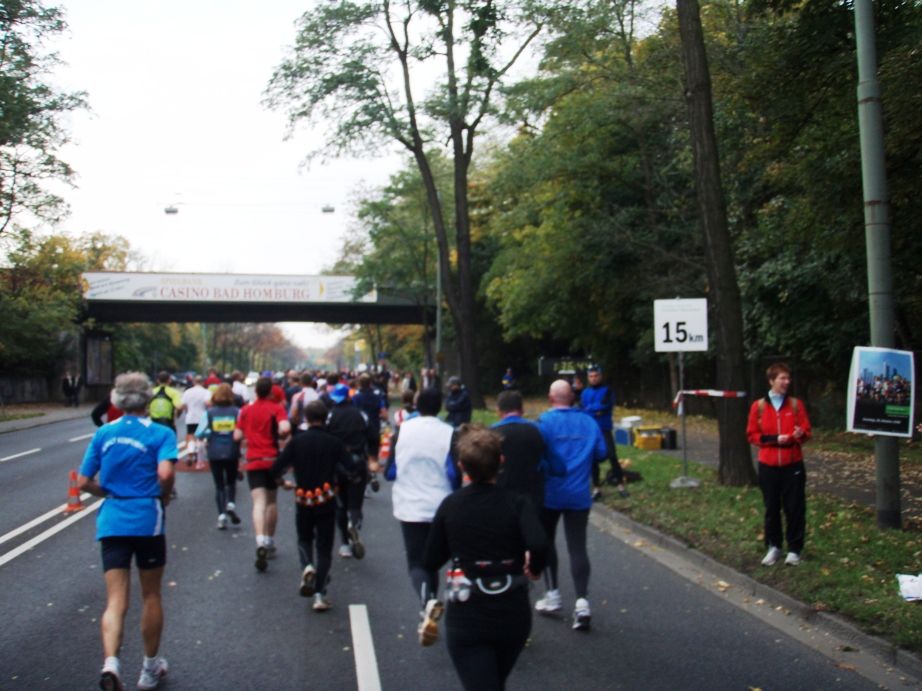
171, 210
327, 209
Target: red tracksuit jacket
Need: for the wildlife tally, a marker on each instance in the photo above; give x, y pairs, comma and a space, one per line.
764, 433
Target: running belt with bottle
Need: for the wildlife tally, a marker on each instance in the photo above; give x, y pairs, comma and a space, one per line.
495, 577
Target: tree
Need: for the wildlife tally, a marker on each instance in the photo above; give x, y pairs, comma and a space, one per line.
30, 125
342, 69
735, 467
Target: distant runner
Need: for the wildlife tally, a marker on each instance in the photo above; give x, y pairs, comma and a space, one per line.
217, 426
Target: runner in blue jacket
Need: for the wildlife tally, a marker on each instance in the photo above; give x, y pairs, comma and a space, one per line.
573, 439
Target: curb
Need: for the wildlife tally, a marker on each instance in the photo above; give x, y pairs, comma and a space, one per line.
832, 623
42, 420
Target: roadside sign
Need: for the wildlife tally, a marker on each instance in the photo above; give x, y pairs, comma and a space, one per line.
680, 325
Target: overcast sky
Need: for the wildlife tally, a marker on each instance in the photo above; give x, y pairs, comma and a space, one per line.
174, 90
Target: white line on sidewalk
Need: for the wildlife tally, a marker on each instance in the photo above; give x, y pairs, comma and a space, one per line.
17, 455
41, 519
54, 530
82, 437
366, 664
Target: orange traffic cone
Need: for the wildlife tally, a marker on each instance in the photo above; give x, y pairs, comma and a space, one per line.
385, 449
73, 495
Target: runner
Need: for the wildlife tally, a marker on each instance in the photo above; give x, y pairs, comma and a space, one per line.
308, 394
574, 440
423, 469
350, 424
213, 381
524, 467
317, 457
134, 460
195, 400
407, 411
495, 543
105, 409
262, 423
166, 403
241, 392
217, 427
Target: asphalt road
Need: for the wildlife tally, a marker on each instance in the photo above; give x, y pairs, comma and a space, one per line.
230, 627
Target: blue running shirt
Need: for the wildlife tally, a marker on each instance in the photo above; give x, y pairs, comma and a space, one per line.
126, 453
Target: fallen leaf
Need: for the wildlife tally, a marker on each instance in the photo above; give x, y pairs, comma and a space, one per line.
760, 601
723, 584
842, 665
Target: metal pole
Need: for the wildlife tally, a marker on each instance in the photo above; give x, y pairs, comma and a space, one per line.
877, 237
682, 403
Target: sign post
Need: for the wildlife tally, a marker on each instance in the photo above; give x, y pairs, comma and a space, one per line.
680, 326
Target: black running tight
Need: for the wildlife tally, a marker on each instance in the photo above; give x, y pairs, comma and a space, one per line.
425, 583
224, 474
574, 529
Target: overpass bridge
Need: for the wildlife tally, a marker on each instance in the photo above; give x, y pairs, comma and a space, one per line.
111, 296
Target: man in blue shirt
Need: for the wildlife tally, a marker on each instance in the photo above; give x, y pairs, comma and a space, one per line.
134, 460
574, 440
599, 401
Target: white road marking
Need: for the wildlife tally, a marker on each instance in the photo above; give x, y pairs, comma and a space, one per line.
82, 437
41, 519
18, 455
54, 530
366, 664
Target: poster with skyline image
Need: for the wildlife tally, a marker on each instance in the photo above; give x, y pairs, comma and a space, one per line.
881, 398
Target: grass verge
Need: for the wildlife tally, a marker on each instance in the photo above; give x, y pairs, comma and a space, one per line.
19, 416
849, 566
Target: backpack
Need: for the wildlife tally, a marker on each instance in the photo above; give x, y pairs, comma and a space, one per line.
161, 405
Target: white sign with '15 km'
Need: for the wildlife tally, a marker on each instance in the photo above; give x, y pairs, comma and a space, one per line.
680, 325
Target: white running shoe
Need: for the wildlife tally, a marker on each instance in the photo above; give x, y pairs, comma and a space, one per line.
222, 521
151, 678
345, 552
581, 615
322, 603
773, 555
270, 546
307, 581
550, 603
793, 559
110, 681
429, 624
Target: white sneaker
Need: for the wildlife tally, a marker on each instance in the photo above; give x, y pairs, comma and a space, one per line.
307, 581
773, 555
321, 603
231, 512
793, 559
429, 626
581, 615
222, 521
550, 603
345, 552
151, 678
270, 546
368, 491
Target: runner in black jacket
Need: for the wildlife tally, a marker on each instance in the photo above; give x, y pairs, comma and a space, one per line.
318, 458
494, 542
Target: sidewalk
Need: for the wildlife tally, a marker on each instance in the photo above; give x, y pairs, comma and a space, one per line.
50, 413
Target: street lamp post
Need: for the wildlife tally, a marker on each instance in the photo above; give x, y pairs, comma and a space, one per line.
877, 237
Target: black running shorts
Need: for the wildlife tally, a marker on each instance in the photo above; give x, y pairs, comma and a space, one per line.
259, 479
190, 429
149, 552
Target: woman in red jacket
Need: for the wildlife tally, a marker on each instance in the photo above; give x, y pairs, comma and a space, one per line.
778, 425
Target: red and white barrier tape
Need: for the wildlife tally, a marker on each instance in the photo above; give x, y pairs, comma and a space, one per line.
707, 392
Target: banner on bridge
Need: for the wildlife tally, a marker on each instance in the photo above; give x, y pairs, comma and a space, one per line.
164, 287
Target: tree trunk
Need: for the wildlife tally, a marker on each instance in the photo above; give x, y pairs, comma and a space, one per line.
467, 336
735, 457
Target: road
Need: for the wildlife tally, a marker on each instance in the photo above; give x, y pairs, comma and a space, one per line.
230, 627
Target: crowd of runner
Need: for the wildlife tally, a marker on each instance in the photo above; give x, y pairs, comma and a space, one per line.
487, 502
